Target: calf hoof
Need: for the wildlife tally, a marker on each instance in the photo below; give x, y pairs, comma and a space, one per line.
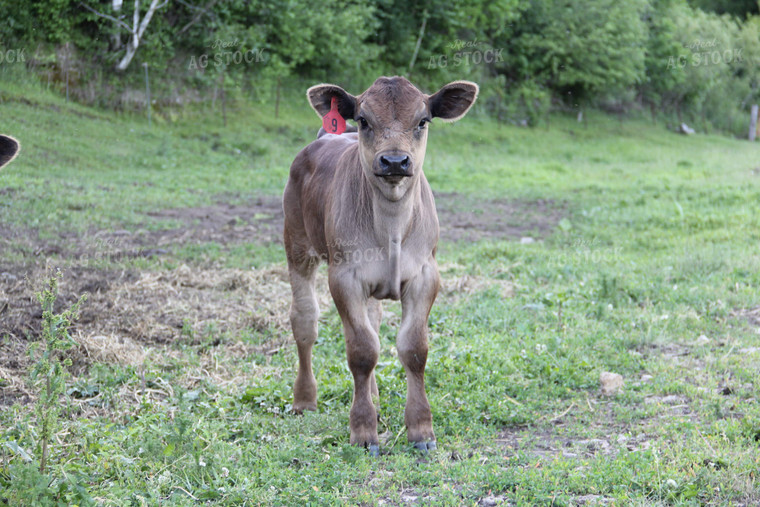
425, 446
373, 450
298, 408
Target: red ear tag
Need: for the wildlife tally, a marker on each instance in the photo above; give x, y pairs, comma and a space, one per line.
333, 122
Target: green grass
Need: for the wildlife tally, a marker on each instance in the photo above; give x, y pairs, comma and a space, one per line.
658, 247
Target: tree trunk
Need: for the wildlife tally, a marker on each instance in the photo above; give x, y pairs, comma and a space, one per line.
116, 43
419, 41
131, 50
138, 29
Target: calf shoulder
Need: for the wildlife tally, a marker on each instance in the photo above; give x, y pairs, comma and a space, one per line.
311, 188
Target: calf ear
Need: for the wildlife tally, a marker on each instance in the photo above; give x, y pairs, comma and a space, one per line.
8, 149
320, 97
453, 101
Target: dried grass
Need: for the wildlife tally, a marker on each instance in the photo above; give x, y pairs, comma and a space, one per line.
109, 349
136, 317
159, 305
12, 384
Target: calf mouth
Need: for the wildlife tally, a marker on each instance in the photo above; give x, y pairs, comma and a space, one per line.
393, 179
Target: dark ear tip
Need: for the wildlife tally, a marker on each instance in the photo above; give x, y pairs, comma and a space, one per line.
467, 85
8, 149
7, 141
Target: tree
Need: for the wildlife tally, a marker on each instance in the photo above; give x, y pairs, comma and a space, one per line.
582, 49
665, 74
135, 31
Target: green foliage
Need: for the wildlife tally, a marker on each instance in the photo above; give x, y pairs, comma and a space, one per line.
48, 373
529, 100
26, 483
448, 25
720, 71
664, 76
566, 54
581, 49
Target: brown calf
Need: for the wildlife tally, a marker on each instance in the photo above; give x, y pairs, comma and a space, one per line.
361, 202
8, 149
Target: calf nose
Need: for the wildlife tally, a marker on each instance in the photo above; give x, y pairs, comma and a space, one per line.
395, 165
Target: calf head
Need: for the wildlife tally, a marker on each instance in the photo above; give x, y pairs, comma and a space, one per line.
392, 116
8, 149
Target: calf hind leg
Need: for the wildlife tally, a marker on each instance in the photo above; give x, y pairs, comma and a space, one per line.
304, 312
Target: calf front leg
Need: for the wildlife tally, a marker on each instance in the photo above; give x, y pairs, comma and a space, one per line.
412, 345
362, 351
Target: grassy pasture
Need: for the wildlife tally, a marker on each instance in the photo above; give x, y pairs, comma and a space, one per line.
642, 260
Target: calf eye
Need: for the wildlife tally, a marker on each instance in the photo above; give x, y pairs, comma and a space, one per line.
422, 123
362, 122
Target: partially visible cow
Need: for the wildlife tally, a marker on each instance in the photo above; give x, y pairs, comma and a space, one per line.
8, 149
360, 201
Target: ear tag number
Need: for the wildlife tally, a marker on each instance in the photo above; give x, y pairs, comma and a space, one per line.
333, 122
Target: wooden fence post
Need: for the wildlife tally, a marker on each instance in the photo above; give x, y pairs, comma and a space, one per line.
753, 122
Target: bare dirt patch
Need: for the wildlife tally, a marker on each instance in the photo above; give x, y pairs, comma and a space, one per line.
584, 430
544, 443
463, 218
260, 221
129, 311
750, 315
